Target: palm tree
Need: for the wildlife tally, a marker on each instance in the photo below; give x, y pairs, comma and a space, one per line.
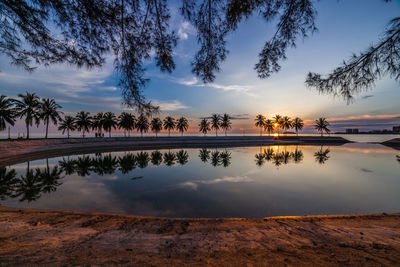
28, 107
97, 123
169, 158
8, 180
142, 159
269, 126
127, 163
298, 124
215, 158
126, 121
215, 123
297, 156
204, 154
204, 126
226, 123
225, 158
182, 157
156, 157
260, 159
322, 125
109, 122
260, 122
67, 166
286, 123
83, 122
142, 124
49, 179
169, 124
182, 125
277, 121
321, 156
84, 165
48, 111
67, 124
7, 112
156, 125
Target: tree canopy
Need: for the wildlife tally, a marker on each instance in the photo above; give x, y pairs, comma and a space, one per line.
84, 33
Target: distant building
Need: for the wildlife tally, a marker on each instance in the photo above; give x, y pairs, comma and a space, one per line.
352, 131
396, 129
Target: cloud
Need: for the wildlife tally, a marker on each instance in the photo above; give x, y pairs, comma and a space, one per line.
170, 106
185, 29
232, 87
226, 179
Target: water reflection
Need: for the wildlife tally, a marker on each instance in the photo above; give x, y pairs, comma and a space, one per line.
321, 156
279, 158
31, 185
216, 182
217, 158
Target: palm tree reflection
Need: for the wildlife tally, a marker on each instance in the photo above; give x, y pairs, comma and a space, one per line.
156, 158
127, 163
225, 158
204, 154
8, 181
215, 158
142, 159
321, 156
182, 157
398, 158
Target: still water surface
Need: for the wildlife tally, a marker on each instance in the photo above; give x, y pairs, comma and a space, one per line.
233, 182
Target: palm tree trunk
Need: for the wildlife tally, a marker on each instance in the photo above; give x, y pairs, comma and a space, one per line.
68, 133
109, 133
169, 132
181, 133
27, 130
47, 128
260, 131
216, 132
141, 133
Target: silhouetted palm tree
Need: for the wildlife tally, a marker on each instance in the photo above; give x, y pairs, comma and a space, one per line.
321, 125
126, 121
277, 121
169, 124
260, 122
286, 157
298, 124
277, 159
98, 123
204, 154
49, 179
225, 158
321, 156
7, 112
28, 186
67, 166
67, 124
269, 153
83, 122
226, 123
398, 158
142, 124
204, 126
215, 123
8, 181
215, 158
109, 122
127, 163
156, 157
84, 165
169, 158
142, 159
182, 125
105, 165
260, 159
28, 107
156, 125
297, 156
269, 126
48, 111
182, 157
286, 123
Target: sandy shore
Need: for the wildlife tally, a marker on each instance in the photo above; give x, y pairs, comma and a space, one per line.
38, 237
13, 152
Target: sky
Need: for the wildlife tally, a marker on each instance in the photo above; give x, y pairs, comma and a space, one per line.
344, 28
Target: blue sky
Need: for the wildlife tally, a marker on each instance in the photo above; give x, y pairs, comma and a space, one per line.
344, 27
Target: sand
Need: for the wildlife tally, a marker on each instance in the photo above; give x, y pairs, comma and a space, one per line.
39, 237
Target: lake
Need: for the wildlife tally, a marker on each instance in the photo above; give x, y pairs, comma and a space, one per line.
233, 182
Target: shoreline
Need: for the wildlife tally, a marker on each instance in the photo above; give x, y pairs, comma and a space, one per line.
18, 151
31, 237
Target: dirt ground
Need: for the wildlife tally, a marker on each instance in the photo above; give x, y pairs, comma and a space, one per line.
39, 237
